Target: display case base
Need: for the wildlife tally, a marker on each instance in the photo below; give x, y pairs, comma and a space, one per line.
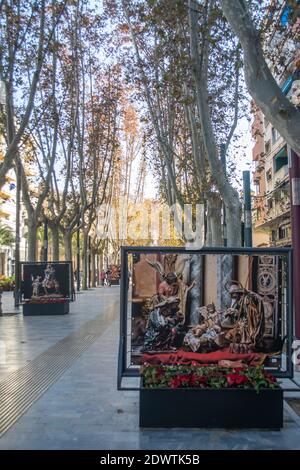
211, 408
46, 309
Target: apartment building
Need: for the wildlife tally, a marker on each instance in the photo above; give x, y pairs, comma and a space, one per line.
271, 206
8, 222
272, 225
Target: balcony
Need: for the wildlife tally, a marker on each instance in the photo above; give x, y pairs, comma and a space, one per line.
276, 214
281, 159
280, 243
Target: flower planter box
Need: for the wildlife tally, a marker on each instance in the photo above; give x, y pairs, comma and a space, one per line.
211, 408
46, 309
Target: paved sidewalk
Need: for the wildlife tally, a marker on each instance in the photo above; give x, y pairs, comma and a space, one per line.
26, 337
84, 410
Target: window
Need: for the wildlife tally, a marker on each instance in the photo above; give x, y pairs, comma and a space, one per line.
273, 235
270, 204
267, 146
283, 232
266, 123
280, 159
277, 196
275, 136
285, 88
269, 175
285, 16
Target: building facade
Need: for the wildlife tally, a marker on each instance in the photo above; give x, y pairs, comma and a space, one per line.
8, 226
271, 206
272, 224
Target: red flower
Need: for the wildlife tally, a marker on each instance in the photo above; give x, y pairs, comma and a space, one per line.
202, 379
241, 379
175, 382
236, 379
195, 380
159, 373
269, 377
184, 379
231, 379
238, 369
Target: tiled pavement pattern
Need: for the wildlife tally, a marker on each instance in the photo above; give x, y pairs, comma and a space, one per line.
84, 410
27, 337
21, 388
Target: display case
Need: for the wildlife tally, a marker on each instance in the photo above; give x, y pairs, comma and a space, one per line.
46, 287
215, 306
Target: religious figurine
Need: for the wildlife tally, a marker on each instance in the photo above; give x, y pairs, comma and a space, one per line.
247, 333
50, 281
164, 326
171, 285
170, 262
208, 335
239, 327
36, 283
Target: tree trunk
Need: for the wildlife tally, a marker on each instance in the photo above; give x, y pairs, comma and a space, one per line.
55, 242
233, 224
68, 245
97, 269
224, 275
101, 261
196, 294
32, 238
225, 262
214, 205
93, 268
85, 261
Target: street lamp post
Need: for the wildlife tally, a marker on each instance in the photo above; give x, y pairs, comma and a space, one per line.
45, 245
247, 209
17, 243
89, 261
78, 257
223, 161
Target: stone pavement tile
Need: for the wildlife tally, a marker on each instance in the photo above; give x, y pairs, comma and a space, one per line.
27, 337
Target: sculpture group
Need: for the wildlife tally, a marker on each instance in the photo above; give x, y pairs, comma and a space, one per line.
240, 326
48, 285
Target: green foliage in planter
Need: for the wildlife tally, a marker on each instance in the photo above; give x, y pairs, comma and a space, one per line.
197, 376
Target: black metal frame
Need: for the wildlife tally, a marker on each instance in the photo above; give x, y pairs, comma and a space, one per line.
124, 371
71, 298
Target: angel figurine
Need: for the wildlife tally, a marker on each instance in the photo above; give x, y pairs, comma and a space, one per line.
171, 285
